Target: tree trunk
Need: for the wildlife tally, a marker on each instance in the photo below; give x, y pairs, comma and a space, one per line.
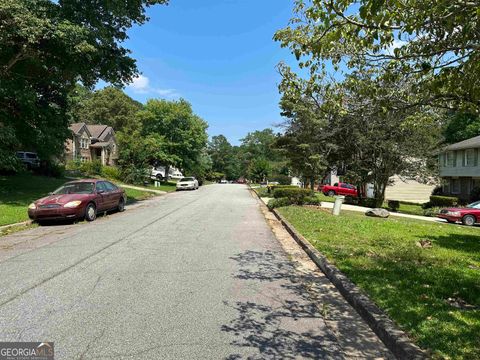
167, 170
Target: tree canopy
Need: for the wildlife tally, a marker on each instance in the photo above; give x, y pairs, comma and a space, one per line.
108, 106
46, 47
434, 42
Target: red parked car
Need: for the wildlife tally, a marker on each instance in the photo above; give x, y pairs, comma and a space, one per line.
80, 199
339, 189
469, 215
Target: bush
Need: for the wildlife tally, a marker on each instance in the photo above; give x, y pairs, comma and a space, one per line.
475, 194
280, 202
91, 167
393, 205
297, 195
351, 200
440, 201
51, 169
271, 188
313, 200
73, 165
368, 202
134, 175
111, 172
438, 190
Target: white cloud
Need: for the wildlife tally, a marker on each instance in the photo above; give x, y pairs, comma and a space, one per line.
141, 85
395, 45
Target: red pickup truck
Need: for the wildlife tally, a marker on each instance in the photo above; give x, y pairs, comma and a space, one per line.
339, 189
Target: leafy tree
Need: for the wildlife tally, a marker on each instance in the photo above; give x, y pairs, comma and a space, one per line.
184, 133
259, 169
461, 126
225, 157
434, 42
221, 153
109, 106
305, 142
137, 153
46, 47
259, 144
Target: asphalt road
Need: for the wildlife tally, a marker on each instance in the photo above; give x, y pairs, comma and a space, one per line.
192, 275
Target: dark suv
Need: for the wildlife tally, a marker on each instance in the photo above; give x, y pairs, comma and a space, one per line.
30, 159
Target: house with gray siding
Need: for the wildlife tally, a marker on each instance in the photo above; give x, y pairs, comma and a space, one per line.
460, 168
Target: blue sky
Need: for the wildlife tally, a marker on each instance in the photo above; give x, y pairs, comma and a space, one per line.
217, 54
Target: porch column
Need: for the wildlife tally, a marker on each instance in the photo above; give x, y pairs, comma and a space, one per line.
103, 156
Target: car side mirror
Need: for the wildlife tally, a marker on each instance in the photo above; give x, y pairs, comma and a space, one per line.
100, 191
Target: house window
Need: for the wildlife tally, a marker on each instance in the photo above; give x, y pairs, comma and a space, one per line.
450, 159
455, 186
469, 157
84, 142
446, 186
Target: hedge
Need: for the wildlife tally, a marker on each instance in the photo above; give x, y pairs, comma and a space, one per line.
271, 188
436, 200
296, 195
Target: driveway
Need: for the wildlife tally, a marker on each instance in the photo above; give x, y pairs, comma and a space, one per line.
190, 275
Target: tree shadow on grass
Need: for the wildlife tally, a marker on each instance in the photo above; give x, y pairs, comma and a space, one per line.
415, 293
469, 244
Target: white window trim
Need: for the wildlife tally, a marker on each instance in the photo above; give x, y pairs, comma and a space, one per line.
466, 157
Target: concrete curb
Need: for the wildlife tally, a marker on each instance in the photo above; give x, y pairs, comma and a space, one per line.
23, 223
395, 339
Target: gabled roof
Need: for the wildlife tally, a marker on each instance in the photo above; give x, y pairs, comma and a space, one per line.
465, 144
99, 131
77, 128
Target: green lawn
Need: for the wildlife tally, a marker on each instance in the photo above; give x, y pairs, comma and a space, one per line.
432, 292
165, 186
17, 192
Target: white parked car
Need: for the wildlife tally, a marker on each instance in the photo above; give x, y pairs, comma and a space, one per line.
158, 173
223, 181
187, 183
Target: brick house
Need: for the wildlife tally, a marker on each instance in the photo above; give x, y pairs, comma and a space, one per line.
92, 142
459, 168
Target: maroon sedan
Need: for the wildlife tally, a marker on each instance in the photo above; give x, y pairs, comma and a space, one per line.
81, 199
469, 215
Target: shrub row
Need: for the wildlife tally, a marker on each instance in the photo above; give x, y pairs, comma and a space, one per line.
92, 168
295, 194
271, 188
436, 200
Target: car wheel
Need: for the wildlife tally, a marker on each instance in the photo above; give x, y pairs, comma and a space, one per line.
331, 193
90, 212
469, 220
159, 177
121, 205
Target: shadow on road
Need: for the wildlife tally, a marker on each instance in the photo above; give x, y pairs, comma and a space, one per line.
282, 322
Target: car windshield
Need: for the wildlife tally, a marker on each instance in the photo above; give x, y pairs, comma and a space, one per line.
186, 179
75, 188
474, 205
